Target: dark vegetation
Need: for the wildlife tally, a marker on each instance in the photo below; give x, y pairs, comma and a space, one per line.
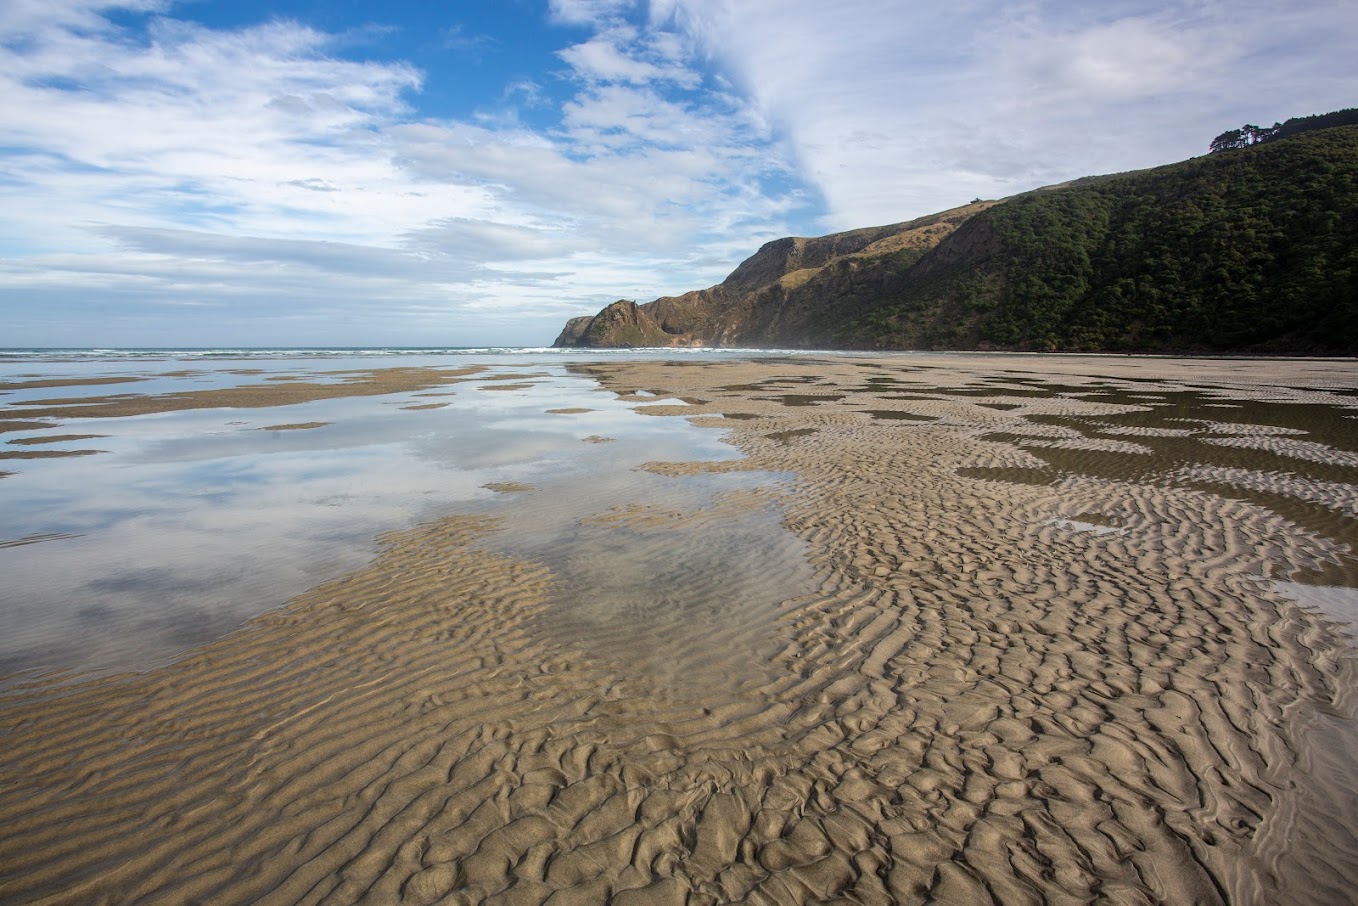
1248, 134
1255, 250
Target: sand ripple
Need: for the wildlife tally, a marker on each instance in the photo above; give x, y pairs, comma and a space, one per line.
1333, 494
1286, 446
973, 701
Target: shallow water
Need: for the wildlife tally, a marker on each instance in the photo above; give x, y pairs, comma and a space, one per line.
188, 523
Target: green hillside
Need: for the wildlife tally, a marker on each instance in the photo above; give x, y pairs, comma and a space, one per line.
1250, 249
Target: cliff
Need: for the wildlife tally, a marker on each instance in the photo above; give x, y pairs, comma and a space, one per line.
779, 295
1249, 250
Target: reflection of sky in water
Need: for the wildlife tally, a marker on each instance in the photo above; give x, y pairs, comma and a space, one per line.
682, 607
144, 383
194, 521
1335, 601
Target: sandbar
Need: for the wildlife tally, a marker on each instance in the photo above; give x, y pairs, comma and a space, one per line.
286, 391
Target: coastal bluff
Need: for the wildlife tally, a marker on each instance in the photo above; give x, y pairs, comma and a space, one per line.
1249, 250
781, 295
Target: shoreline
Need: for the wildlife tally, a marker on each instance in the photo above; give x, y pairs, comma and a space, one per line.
987, 689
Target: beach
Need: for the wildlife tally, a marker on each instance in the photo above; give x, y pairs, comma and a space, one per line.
899, 629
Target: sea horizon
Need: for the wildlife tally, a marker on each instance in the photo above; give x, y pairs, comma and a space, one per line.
50, 354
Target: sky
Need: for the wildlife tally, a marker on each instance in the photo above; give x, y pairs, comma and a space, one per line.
355, 173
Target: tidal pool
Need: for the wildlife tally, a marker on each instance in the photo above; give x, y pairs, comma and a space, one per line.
186, 523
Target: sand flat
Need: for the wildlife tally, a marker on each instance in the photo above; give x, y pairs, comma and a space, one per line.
972, 699
292, 389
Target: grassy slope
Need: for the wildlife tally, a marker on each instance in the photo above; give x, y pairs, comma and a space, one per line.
829, 281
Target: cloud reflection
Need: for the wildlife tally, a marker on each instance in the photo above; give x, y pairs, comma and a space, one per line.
197, 520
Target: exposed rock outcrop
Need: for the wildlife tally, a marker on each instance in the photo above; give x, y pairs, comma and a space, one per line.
623, 323
575, 329
776, 296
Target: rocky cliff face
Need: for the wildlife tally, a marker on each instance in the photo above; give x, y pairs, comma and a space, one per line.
778, 296
622, 323
575, 329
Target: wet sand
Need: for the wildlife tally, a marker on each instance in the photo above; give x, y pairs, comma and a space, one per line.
1038, 657
285, 390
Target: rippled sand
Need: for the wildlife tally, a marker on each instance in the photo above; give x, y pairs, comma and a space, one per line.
1036, 655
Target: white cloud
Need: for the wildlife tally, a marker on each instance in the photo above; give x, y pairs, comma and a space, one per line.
637, 193
207, 127
525, 92
1122, 60
22, 18
258, 174
485, 242
620, 54
896, 110
262, 175
588, 12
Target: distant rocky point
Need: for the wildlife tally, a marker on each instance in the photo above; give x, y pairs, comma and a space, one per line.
1250, 249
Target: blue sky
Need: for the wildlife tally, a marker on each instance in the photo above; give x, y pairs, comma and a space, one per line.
347, 172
